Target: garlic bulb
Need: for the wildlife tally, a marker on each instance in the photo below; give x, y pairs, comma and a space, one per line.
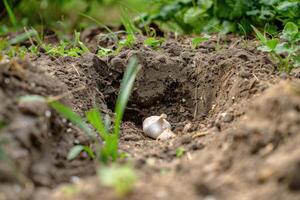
154, 126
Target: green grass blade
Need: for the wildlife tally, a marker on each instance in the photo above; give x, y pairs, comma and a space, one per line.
125, 91
259, 35
76, 150
94, 117
69, 114
81, 44
127, 23
22, 37
10, 13
101, 25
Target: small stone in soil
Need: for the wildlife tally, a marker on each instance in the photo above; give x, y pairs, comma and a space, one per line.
226, 117
245, 74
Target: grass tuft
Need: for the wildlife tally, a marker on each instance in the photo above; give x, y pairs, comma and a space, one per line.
108, 151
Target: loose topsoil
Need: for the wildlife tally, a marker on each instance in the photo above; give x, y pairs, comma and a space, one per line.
236, 117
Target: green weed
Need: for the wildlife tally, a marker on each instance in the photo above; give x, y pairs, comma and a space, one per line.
286, 52
66, 48
102, 52
153, 42
130, 28
198, 40
115, 37
196, 16
109, 150
180, 151
12, 48
121, 178
129, 41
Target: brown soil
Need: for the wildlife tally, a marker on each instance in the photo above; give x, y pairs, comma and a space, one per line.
237, 118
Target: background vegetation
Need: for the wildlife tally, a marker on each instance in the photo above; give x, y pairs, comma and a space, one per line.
224, 15
184, 16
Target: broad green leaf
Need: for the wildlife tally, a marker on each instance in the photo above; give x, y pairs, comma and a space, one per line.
286, 5
283, 48
290, 31
272, 44
205, 4
227, 27
296, 60
193, 15
266, 14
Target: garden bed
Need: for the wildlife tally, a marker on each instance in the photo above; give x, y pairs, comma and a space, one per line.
236, 119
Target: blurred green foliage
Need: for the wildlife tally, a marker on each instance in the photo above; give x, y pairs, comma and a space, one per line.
67, 15
183, 16
194, 16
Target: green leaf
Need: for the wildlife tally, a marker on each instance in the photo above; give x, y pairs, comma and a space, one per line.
81, 44
128, 41
272, 44
283, 48
77, 149
180, 152
153, 42
264, 49
125, 91
290, 31
102, 52
95, 119
259, 35
205, 4
296, 60
23, 37
198, 40
193, 15
69, 114
74, 152
10, 12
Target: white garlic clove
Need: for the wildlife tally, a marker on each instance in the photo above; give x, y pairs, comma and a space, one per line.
166, 135
153, 126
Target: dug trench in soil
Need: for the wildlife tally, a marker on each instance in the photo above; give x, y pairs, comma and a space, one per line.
240, 138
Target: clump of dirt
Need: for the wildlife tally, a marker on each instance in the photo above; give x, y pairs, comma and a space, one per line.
231, 126
36, 140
